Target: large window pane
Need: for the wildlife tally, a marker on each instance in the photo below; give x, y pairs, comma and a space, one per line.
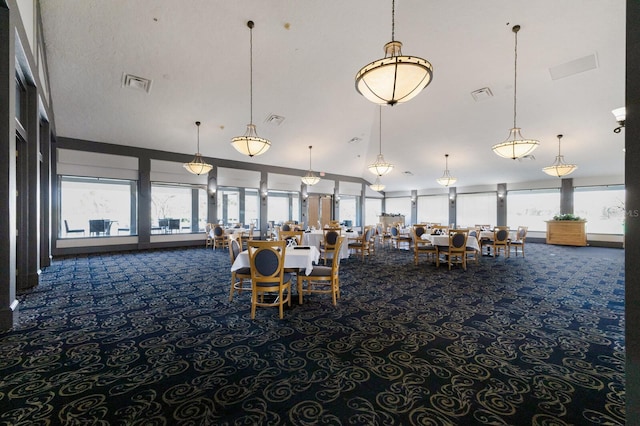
349, 209
252, 207
108, 201
433, 208
479, 208
373, 210
283, 206
603, 207
229, 206
532, 208
173, 208
401, 205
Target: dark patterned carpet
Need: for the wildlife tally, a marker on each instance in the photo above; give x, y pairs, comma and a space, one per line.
151, 338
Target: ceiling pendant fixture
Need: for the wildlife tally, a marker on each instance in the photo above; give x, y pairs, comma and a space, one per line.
559, 168
515, 146
446, 178
621, 115
197, 166
380, 167
310, 178
377, 185
250, 144
394, 78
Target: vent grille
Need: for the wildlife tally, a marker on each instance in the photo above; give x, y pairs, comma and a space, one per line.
136, 83
482, 94
274, 119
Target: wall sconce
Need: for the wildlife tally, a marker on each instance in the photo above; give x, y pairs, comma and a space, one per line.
621, 115
213, 186
263, 190
305, 194
337, 200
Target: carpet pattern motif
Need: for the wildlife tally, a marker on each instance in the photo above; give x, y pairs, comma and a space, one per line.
151, 338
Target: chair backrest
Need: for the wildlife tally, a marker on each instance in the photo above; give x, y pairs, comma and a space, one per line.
235, 247
97, 225
335, 262
285, 227
522, 233
266, 260
331, 237
418, 230
218, 231
501, 235
394, 231
458, 239
289, 235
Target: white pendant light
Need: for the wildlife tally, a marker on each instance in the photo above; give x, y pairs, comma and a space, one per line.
377, 185
197, 166
380, 167
310, 178
394, 78
446, 178
515, 146
249, 143
559, 168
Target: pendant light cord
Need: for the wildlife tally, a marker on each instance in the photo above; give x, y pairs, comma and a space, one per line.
380, 129
310, 146
250, 25
516, 28
393, 20
559, 139
198, 143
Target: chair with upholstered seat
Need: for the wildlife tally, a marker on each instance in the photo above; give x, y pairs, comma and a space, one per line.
238, 276
521, 236
398, 238
291, 235
421, 246
472, 253
455, 253
220, 238
323, 279
500, 240
361, 245
268, 277
329, 244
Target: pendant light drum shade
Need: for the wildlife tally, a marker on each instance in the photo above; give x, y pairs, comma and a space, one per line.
250, 143
395, 78
197, 166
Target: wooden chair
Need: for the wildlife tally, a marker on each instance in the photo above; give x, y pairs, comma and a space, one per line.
397, 238
500, 240
220, 238
361, 245
322, 277
329, 244
521, 236
421, 246
268, 276
382, 236
472, 253
455, 253
72, 231
289, 235
285, 227
208, 230
237, 277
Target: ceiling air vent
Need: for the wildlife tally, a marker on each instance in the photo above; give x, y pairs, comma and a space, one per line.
274, 119
482, 94
135, 82
354, 140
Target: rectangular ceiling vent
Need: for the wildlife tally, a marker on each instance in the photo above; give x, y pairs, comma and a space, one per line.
576, 66
482, 94
274, 119
135, 82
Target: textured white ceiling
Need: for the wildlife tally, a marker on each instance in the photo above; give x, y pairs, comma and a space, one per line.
306, 54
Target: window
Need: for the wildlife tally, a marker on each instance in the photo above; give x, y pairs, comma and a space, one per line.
478, 208
87, 200
400, 205
433, 208
532, 208
373, 210
229, 206
251, 207
176, 208
349, 209
283, 206
602, 207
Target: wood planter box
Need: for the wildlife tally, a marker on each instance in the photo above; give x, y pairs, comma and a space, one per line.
567, 232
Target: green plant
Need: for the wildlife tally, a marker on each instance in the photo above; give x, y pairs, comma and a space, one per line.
567, 216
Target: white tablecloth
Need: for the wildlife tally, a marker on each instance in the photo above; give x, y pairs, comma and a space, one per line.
293, 258
443, 240
314, 238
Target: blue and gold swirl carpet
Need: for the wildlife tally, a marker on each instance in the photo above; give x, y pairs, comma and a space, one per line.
150, 338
